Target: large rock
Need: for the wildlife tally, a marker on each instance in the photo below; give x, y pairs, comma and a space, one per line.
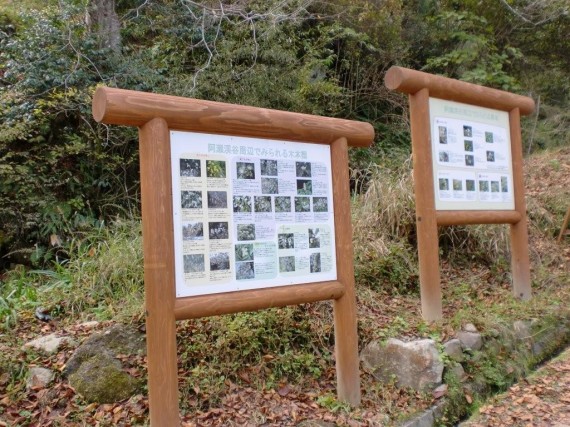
96, 373
49, 343
415, 364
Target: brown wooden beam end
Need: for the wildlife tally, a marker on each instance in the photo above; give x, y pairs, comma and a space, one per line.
411, 81
132, 108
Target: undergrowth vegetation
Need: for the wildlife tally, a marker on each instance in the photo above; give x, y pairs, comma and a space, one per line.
99, 276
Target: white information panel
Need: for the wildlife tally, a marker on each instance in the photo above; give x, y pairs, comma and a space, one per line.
471, 151
250, 213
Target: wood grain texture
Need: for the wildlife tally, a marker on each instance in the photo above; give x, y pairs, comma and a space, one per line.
477, 217
255, 299
126, 107
426, 222
411, 81
345, 324
156, 198
520, 261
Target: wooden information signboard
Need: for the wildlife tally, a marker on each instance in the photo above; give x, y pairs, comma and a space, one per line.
467, 156
243, 209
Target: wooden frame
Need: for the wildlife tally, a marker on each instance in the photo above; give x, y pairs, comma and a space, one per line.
156, 115
420, 87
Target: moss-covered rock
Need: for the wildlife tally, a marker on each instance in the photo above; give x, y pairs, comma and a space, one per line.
95, 371
101, 379
119, 339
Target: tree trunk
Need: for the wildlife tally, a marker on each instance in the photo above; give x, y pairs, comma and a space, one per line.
103, 21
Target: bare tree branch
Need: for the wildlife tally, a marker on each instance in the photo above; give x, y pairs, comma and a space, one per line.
539, 12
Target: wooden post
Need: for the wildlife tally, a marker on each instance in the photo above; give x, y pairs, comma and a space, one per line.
345, 324
426, 222
520, 262
563, 230
156, 195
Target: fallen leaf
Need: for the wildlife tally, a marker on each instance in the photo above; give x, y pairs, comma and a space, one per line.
284, 391
440, 391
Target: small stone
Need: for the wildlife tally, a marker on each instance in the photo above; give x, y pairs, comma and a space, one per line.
49, 343
39, 378
457, 370
439, 391
424, 420
470, 340
88, 325
454, 350
470, 327
522, 330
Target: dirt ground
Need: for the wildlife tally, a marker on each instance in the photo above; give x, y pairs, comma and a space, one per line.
543, 399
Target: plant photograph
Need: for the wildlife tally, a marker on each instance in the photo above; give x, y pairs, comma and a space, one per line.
244, 252
315, 263
245, 170
190, 168
314, 238
268, 167
303, 169
218, 230
262, 203
194, 263
302, 204
245, 270
217, 199
286, 264
242, 204
286, 241
320, 204
193, 231
282, 204
269, 186
191, 199
219, 261
246, 231
304, 187
215, 168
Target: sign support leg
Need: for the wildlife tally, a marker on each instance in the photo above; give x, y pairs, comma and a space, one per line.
156, 195
520, 261
426, 221
345, 325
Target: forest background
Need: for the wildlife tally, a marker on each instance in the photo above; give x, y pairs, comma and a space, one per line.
61, 172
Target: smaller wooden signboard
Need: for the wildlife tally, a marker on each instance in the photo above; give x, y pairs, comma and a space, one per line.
243, 209
467, 157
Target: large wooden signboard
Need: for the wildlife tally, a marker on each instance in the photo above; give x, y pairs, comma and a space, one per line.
243, 208
250, 213
467, 157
